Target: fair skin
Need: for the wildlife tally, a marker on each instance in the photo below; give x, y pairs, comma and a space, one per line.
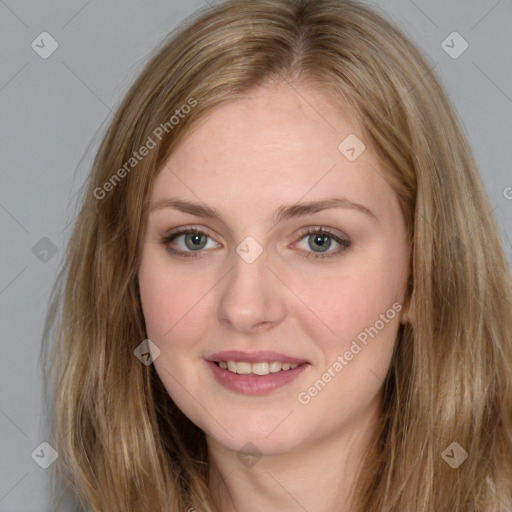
276, 147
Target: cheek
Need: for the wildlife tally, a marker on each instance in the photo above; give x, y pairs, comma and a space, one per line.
337, 309
172, 302
174, 309
363, 312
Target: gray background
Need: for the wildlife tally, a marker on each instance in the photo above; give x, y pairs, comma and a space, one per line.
54, 111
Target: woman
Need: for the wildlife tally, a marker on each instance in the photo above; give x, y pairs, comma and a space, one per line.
284, 289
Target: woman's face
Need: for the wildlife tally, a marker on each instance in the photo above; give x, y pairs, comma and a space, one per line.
274, 247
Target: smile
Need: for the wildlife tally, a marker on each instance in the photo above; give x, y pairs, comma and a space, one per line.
255, 373
257, 368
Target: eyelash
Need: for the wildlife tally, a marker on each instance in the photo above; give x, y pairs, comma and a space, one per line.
344, 243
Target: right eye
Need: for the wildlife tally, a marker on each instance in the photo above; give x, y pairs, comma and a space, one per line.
186, 242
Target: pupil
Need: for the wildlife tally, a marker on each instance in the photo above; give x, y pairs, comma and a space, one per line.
321, 241
193, 241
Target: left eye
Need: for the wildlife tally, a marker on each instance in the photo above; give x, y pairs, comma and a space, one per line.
321, 242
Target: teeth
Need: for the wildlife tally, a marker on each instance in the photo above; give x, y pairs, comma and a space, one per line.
243, 368
275, 366
259, 368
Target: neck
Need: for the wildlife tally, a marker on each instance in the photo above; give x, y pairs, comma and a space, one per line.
318, 476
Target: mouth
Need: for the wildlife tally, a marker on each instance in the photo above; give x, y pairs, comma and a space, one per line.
255, 373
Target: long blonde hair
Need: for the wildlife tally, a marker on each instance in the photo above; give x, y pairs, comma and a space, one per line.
122, 443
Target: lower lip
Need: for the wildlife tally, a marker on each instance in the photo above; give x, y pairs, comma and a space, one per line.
255, 384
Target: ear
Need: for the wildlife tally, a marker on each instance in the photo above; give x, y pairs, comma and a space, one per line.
407, 315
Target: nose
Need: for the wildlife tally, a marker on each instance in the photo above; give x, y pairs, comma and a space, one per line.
251, 299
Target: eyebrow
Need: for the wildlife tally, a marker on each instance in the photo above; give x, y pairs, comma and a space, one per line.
285, 212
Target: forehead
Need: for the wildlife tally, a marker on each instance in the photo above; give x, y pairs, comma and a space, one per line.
279, 143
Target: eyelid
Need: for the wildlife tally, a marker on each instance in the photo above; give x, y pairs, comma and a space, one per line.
336, 234
186, 229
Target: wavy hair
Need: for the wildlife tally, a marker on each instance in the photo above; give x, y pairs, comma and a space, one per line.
122, 442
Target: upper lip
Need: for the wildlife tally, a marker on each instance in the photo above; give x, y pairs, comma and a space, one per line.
254, 357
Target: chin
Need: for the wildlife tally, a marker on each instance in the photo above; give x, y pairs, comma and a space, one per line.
263, 435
